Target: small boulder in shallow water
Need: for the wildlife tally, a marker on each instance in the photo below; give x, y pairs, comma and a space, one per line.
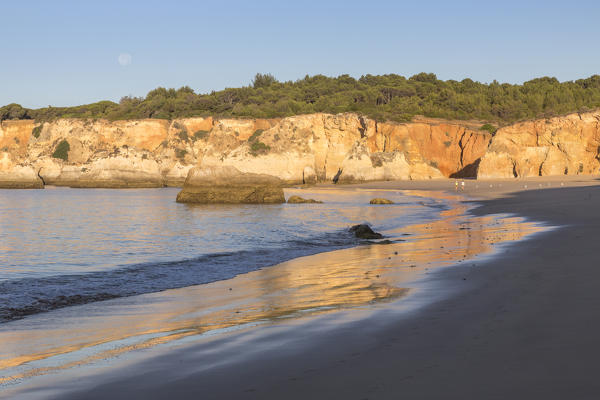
364, 231
380, 200
300, 200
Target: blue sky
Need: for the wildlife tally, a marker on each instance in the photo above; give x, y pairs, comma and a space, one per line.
67, 52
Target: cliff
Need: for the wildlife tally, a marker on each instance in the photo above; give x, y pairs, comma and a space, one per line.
140, 153
567, 145
307, 148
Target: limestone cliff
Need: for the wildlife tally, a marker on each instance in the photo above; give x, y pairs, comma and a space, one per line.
317, 147
306, 148
142, 153
565, 145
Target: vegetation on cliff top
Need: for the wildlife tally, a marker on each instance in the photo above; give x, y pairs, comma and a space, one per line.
488, 127
382, 97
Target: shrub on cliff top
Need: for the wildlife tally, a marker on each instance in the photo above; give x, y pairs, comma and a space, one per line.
62, 150
14, 111
488, 127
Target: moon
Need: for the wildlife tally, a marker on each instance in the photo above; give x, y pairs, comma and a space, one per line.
124, 59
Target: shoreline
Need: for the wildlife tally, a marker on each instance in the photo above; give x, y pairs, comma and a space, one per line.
350, 281
342, 240
341, 339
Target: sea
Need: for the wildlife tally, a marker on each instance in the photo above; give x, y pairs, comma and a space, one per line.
61, 247
90, 278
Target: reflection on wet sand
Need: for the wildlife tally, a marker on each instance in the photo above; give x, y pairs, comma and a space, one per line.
315, 284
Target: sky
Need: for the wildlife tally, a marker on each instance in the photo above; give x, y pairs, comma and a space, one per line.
64, 53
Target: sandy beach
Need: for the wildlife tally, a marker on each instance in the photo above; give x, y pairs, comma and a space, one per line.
520, 324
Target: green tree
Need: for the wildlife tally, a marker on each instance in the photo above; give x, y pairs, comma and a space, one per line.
263, 80
382, 97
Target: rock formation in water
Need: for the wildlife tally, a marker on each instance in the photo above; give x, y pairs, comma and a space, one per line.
300, 149
380, 200
301, 200
227, 185
364, 231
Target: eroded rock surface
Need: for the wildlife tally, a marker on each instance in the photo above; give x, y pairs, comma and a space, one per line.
301, 200
379, 200
299, 149
364, 231
565, 145
227, 185
302, 149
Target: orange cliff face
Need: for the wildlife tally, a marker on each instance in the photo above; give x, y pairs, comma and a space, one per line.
297, 149
566, 145
305, 148
14, 141
14, 136
453, 149
316, 147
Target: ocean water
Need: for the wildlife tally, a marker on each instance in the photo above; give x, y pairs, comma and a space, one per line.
61, 247
89, 277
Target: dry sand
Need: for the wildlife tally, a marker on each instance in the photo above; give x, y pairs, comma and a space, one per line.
524, 324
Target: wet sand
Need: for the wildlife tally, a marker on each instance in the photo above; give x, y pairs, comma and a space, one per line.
522, 324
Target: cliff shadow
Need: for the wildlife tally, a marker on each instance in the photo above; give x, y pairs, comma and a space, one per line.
468, 171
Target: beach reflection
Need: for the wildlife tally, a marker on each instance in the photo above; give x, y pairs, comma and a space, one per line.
372, 273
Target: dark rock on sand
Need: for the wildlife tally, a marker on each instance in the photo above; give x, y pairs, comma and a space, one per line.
228, 185
380, 200
364, 231
300, 200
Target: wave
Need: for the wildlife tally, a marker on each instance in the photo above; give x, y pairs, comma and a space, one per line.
27, 296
